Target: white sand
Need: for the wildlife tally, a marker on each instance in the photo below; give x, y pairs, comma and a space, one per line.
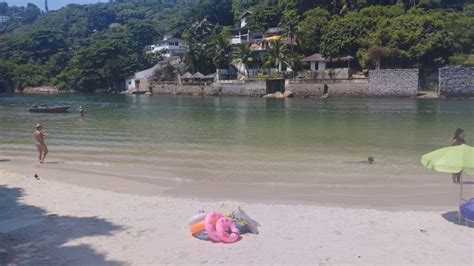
57, 223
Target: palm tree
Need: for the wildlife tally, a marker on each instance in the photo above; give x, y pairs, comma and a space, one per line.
290, 24
293, 60
193, 57
243, 55
277, 55
222, 52
198, 31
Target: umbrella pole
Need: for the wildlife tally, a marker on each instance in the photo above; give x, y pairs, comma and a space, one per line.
460, 199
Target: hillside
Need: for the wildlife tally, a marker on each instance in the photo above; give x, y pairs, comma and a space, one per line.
87, 47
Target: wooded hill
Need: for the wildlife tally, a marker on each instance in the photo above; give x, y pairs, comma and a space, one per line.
89, 47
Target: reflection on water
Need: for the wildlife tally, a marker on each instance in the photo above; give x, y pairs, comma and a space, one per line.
214, 138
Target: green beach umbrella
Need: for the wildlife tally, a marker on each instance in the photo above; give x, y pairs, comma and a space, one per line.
452, 159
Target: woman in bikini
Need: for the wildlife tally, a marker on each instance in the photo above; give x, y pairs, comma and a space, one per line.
40, 145
457, 139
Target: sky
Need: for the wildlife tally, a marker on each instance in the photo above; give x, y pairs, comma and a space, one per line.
52, 4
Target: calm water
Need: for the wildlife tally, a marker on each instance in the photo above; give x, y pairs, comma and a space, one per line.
235, 138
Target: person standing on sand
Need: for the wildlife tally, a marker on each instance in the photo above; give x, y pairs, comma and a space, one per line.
40, 145
457, 139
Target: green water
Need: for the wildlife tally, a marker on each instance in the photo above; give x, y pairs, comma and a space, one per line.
235, 138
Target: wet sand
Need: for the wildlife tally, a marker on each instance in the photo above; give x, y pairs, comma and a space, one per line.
379, 186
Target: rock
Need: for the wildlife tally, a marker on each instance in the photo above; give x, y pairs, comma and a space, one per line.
39, 90
288, 94
279, 95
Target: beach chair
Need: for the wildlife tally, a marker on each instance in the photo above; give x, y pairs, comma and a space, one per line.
466, 211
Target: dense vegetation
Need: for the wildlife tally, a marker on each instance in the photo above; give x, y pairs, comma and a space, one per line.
89, 47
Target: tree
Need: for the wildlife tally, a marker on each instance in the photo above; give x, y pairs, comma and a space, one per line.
222, 50
310, 29
345, 35
29, 75
243, 55
264, 17
7, 70
277, 55
36, 46
143, 32
198, 56
293, 60
216, 11
105, 63
32, 12
289, 22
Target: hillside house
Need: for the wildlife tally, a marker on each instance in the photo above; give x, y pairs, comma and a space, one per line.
4, 19
169, 46
323, 68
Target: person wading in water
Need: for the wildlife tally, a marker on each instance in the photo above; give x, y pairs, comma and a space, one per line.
40, 145
457, 139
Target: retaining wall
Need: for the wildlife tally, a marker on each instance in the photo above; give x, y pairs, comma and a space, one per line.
393, 82
456, 81
257, 88
344, 88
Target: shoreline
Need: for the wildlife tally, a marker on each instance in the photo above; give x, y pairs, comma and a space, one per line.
49, 222
214, 91
396, 195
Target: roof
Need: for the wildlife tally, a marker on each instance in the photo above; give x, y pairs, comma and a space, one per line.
170, 40
245, 14
275, 30
187, 75
320, 58
198, 75
147, 72
273, 38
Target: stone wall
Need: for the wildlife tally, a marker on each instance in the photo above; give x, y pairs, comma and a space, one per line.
335, 73
172, 89
338, 88
456, 81
248, 88
216, 89
393, 82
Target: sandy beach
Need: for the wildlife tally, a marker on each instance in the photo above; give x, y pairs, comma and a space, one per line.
46, 222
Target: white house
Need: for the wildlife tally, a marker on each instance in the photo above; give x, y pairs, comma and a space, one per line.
242, 34
4, 19
168, 46
243, 19
139, 81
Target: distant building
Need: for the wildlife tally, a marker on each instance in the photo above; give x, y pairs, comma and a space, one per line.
318, 62
4, 19
329, 68
243, 34
139, 81
259, 40
243, 19
169, 46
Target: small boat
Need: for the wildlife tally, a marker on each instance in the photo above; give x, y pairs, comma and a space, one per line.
48, 109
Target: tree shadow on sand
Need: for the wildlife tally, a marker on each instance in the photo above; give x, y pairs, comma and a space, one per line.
29, 236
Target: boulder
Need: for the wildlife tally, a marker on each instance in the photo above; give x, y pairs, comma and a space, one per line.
279, 95
40, 90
